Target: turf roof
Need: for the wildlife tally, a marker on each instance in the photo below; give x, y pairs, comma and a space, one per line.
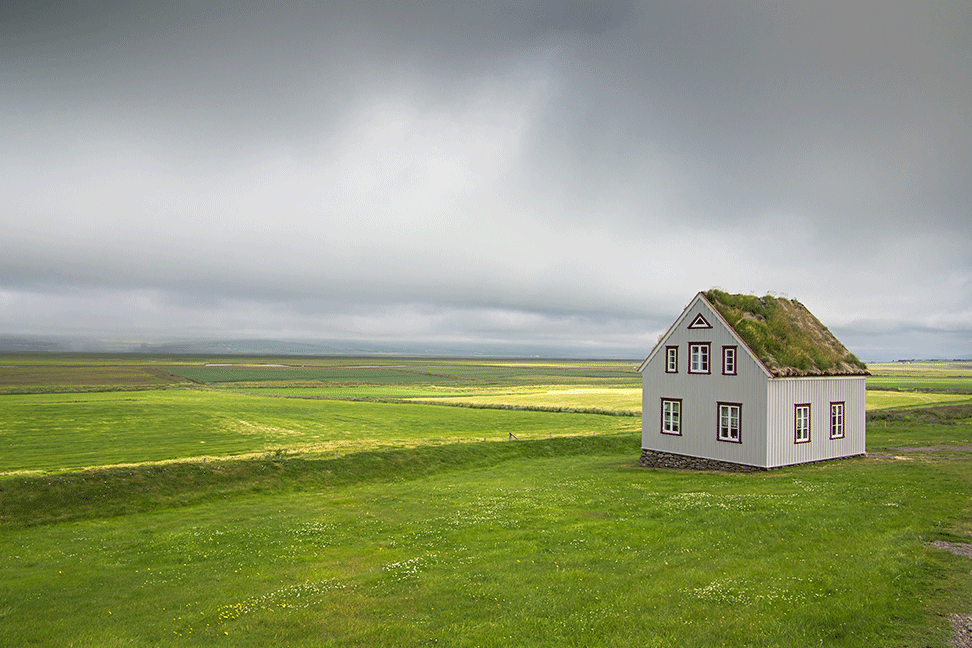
786, 337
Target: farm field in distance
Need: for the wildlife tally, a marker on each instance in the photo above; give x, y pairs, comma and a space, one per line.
948, 376
159, 500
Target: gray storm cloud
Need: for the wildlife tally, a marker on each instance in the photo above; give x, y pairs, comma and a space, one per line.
547, 173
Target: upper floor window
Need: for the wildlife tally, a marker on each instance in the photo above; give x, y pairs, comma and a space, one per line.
837, 420
671, 359
730, 422
699, 357
729, 360
802, 424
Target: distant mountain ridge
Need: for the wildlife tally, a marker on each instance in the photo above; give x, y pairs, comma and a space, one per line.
267, 347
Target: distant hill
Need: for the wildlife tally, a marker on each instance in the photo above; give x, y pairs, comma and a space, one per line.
39, 344
28, 344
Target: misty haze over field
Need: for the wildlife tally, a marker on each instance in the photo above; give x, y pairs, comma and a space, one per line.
554, 178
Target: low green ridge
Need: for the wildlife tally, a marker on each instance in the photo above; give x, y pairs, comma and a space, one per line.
27, 501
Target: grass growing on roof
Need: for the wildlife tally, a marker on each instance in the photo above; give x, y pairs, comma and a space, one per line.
785, 335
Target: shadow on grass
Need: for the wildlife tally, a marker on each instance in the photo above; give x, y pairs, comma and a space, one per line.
935, 415
27, 501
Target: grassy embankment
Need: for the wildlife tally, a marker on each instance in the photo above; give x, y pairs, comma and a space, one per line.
549, 541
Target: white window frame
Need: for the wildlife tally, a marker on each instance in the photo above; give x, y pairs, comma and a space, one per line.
801, 423
671, 416
838, 412
729, 422
729, 361
699, 356
671, 359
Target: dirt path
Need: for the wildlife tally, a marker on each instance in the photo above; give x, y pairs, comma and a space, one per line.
961, 623
942, 448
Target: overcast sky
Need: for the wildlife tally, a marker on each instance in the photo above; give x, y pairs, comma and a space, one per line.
548, 174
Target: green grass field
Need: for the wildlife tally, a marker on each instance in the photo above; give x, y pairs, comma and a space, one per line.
420, 533
934, 376
49, 432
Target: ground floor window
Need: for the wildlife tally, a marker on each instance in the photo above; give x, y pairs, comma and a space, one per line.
671, 416
837, 420
801, 424
730, 422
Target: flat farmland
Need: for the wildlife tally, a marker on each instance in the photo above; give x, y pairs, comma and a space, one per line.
351, 502
65, 377
928, 375
878, 399
72, 431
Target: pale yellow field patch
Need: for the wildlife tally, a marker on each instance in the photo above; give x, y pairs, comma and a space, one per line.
625, 399
241, 426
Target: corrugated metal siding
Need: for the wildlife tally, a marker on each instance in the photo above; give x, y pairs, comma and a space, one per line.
783, 394
700, 394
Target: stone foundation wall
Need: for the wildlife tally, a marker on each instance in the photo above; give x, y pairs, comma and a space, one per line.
657, 459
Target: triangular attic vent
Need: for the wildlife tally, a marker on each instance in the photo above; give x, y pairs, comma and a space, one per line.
699, 323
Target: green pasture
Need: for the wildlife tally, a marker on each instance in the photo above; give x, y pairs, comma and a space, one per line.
70, 431
331, 510
75, 372
536, 548
881, 399
354, 391
81, 377
415, 372
578, 397
935, 376
921, 368
567, 397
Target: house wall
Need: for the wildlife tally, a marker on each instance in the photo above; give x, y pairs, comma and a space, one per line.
783, 394
701, 393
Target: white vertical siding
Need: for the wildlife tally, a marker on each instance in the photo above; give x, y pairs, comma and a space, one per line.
783, 394
700, 394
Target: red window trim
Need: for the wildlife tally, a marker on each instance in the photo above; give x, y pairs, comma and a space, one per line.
667, 349
796, 423
662, 421
708, 358
719, 406
843, 419
735, 359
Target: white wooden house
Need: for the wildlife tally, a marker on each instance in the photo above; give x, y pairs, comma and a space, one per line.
747, 383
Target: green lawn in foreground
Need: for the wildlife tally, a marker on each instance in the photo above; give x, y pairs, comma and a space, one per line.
555, 540
583, 550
